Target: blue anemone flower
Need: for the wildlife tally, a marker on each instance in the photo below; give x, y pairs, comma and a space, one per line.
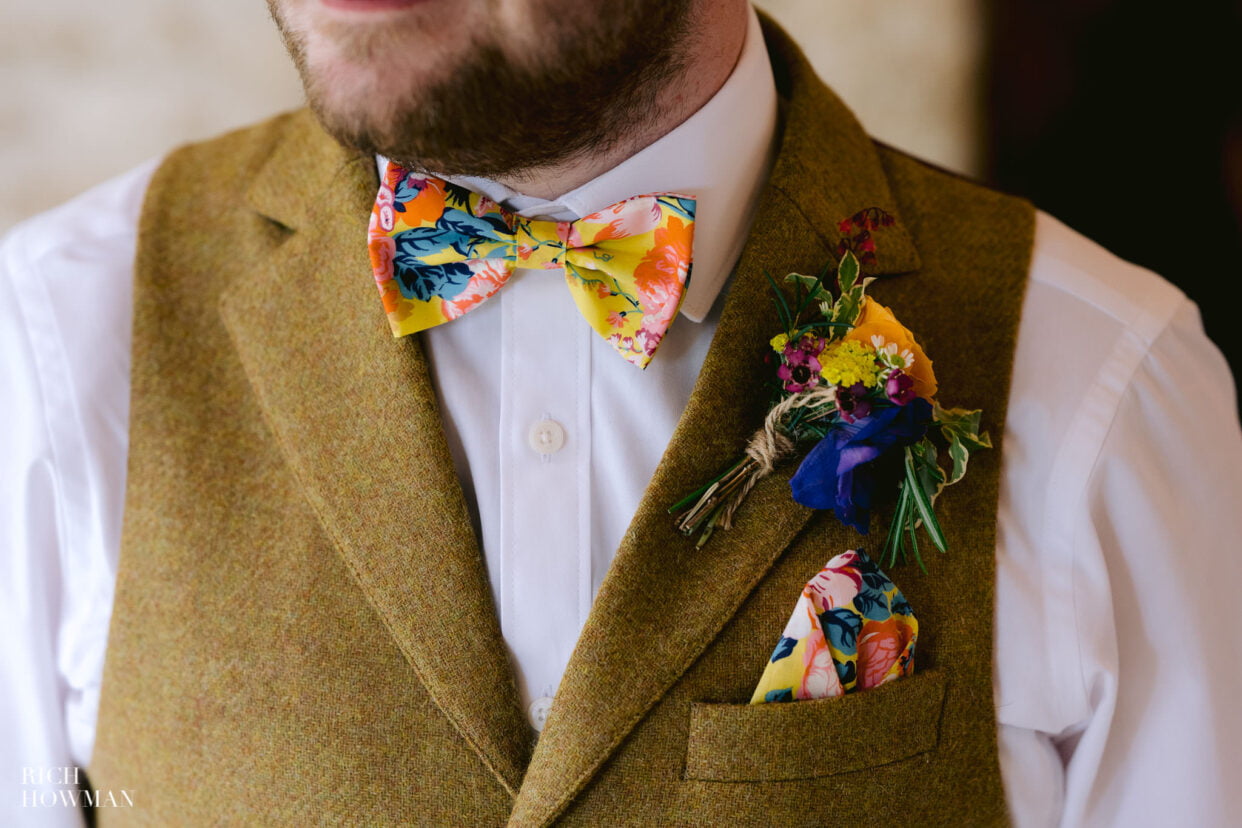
838, 473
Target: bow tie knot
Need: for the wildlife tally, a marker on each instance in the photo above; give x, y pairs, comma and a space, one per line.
541, 244
438, 251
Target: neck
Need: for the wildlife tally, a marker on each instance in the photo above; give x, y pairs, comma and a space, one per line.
719, 32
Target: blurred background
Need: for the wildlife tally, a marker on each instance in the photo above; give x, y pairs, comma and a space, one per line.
1121, 117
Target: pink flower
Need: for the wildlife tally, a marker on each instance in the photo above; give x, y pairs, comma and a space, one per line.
659, 301
382, 250
417, 182
646, 340
631, 217
568, 233
800, 364
837, 584
810, 344
880, 647
852, 402
900, 387
623, 344
487, 278
819, 674
485, 205
386, 219
616, 319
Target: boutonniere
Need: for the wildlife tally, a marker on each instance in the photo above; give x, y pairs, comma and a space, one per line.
852, 388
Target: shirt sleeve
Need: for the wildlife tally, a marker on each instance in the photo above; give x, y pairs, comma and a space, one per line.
65, 317
1156, 561
32, 692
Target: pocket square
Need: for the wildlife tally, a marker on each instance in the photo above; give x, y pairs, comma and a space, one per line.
851, 629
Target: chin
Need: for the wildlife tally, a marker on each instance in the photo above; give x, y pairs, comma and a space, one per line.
357, 81
357, 108
345, 58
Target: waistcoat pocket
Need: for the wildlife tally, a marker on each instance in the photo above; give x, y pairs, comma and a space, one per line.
817, 737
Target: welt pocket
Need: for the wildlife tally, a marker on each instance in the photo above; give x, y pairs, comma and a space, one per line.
816, 737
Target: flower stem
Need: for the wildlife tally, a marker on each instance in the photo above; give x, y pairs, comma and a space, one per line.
712, 499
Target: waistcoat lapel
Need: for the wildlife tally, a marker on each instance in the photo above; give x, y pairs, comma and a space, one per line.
356, 417
662, 601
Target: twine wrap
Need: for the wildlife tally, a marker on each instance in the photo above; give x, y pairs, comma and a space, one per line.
766, 448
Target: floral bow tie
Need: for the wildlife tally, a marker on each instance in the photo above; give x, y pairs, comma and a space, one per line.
438, 250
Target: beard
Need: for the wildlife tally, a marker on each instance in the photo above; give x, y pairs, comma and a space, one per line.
590, 83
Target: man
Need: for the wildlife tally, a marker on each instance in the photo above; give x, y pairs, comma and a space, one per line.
304, 625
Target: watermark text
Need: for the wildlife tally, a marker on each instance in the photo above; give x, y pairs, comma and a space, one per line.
68, 787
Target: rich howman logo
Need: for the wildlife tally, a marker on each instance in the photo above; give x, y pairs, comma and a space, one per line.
68, 787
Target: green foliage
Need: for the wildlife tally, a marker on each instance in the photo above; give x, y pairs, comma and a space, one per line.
842, 309
960, 429
813, 285
916, 496
782, 307
853, 290
926, 468
923, 477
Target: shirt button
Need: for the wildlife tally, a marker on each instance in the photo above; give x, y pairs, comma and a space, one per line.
546, 436
538, 711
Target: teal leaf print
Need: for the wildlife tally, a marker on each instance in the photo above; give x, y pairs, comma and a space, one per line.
783, 648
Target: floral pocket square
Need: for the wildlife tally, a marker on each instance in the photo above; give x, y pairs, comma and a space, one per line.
852, 629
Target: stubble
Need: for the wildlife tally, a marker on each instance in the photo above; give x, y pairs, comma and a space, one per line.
586, 88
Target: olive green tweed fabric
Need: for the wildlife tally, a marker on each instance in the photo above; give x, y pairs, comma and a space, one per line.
303, 630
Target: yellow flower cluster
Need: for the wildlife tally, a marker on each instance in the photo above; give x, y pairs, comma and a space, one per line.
778, 342
848, 363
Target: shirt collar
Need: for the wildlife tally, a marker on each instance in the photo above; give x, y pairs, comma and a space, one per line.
720, 155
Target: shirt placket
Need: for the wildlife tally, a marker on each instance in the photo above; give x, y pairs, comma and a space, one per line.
545, 454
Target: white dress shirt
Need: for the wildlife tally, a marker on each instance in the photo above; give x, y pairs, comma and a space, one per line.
1116, 651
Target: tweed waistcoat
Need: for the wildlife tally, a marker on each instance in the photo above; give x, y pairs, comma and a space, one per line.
303, 630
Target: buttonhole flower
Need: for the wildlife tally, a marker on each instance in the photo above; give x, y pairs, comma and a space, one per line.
800, 367
850, 363
853, 403
900, 387
839, 473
